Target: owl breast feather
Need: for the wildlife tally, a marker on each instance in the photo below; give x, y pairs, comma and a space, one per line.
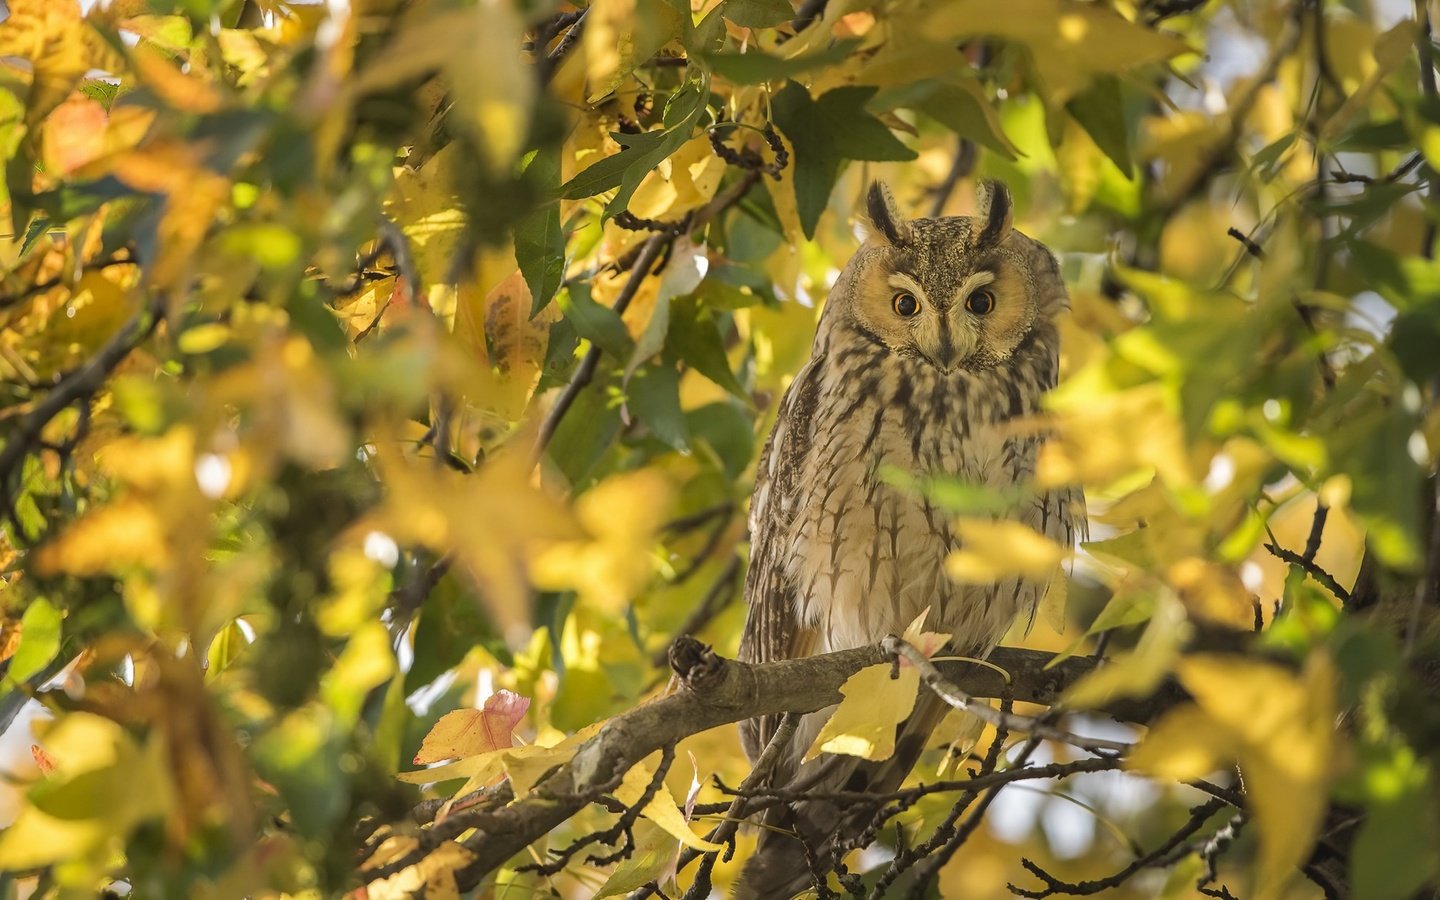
867, 557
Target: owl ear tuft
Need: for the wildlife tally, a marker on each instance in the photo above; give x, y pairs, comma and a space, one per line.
996, 208
886, 215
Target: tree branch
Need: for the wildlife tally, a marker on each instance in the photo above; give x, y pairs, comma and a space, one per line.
713, 691
952, 694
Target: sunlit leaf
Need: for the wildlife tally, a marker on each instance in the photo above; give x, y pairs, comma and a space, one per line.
466, 732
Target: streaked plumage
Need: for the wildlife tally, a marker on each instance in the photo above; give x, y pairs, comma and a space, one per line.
840, 557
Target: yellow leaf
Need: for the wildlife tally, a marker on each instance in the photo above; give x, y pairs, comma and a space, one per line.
184, 90
782, 197
864, 723
74, 134
685, 181
495, 520
1212, 591
1139, 671
1070, 42
1105, 433
102, 785
620, 34
1185, 744
493, 86
992, 550
499, 329
60, 48
481, 766
654, 859
1284, 727
661, 809
108, 539
366, 662
525, 765
436, 872
622, 514
465, 732
425, 203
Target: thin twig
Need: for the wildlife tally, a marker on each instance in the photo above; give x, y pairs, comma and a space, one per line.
949, 692
585, 372
965, 156
724, 833
973, 784
1174, 847
77, 386
1314, 571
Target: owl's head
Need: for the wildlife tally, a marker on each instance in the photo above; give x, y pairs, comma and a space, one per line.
957, 292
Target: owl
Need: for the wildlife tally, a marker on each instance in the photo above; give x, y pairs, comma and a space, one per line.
934, 347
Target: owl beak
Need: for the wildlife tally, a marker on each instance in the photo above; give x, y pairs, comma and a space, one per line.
948, 350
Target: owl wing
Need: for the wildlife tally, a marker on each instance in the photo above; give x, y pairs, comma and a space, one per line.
771, 630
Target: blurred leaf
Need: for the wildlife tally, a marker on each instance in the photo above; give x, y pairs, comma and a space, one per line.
1394, 853
756, 67
661, 809
993, 550
758, 13
39, 641
622, 516
1070, 42
1100, 110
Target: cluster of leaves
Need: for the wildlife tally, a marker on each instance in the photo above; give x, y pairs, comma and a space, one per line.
382, 382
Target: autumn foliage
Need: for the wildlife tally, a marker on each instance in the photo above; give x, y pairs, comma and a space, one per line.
382, 383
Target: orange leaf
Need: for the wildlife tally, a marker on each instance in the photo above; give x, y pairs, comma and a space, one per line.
466, 732
74, 134
42, 759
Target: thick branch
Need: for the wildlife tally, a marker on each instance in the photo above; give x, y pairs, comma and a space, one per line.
713, 691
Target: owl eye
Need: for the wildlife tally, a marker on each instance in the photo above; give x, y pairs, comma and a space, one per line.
905, 304
980, 302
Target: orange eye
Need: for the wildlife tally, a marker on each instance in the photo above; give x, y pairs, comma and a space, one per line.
905, 304
980, 302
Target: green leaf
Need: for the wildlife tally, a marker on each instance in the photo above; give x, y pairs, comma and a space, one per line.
1394, 853
695, 339
727, 429
39, 641
584, 435
301, 758
654, 398
757, 68
758, 13
539, 241
595, 323
559, 354
1413, 339
1100, 110
963, 108
643, 152
1374, 450
824, 131
451, 623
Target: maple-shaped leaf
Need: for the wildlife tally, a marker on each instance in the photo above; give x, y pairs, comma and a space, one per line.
826, 130
466, 732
